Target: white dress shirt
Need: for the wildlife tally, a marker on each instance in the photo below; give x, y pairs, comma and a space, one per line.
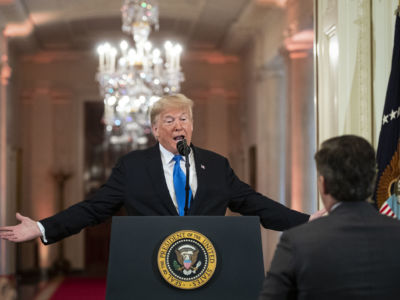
334, 206
168, 163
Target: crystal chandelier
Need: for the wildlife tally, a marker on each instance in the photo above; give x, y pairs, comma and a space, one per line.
131, 79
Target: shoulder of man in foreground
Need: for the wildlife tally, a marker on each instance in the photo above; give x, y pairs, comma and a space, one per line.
309, 226
334, 219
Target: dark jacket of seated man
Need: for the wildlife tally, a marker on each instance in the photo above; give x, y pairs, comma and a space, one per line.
350, 254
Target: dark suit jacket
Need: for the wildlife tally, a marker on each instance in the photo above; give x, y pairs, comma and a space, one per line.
351, 254
138, 182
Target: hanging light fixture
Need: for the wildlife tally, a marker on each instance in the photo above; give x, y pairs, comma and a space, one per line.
131, 79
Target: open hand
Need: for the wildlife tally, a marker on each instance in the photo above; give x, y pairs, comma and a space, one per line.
317, 214
25, 231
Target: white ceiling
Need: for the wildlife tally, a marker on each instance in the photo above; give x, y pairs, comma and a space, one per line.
82, 24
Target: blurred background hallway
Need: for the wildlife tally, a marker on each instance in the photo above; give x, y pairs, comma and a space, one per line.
270, 80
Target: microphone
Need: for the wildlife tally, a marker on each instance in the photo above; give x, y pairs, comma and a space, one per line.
184, 150
183, 147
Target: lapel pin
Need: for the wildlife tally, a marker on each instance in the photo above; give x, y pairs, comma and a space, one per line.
203, 167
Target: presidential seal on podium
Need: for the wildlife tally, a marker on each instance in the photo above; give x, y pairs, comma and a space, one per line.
187, 259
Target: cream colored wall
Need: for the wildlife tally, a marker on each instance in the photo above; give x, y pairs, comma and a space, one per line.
52, 89
8, 155
260, 127
353, 53
279, 108
214, 83
354, 47
383, 25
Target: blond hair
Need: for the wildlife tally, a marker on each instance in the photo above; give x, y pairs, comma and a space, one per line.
170, 101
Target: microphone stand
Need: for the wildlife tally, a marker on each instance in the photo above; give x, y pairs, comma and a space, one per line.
184, 150
187, 187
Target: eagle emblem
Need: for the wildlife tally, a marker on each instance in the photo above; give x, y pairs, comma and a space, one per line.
388, 184
187, 257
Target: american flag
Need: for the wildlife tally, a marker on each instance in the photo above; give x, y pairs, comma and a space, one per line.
388, 207
388, 155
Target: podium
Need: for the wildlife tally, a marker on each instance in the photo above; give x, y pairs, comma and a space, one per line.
137, 243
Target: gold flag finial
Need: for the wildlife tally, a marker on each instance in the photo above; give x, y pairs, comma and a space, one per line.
397, 12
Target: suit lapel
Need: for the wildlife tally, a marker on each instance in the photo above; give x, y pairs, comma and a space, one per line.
200, 166
156, 173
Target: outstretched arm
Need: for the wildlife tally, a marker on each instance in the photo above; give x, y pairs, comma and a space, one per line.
25, 231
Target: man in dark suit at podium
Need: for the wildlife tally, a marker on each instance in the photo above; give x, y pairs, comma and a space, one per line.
145, 182
350, 254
